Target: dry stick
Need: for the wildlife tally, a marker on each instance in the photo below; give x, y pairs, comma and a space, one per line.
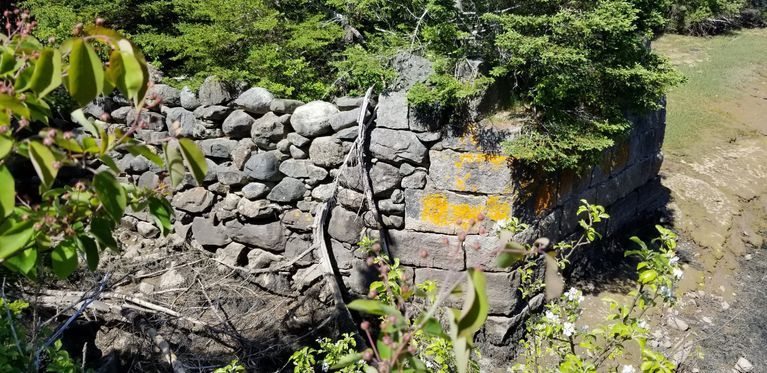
160, 342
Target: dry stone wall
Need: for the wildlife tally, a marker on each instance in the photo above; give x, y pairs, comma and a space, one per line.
272, 161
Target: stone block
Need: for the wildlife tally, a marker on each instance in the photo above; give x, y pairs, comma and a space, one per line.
267, 236
345, 226
440, 211
470, 172
206, 233
397, 146
427, 250
392, 111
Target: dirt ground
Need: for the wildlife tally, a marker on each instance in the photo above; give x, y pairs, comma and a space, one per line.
715, 170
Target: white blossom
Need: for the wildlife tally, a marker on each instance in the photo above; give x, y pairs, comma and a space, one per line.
673, 260
551, 316
628, 369
642, 324
678, 273
568, 329
325, 366
666, 292
574, 295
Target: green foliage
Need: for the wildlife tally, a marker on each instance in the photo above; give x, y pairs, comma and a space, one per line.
706, 17
233, 367
331, 354
69, 218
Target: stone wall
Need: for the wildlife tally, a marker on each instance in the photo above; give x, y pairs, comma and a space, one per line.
272, 162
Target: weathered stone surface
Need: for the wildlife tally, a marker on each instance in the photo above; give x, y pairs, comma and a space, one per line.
182, 123
254, 190
350, 199
208, 234
269, 129
501, 291
348, 103
147, 230
348, 134
323, 192
343, 255
230, 254
313, 119
214, 92
255, 100
188, 99
288, 190
172, 279
360, 277
297, 153
148, 180
254, 209
230, 176
195, 200
284, 146
266, 236
298, 220
297, 245
345, 225
470, 172
241, 153
428, 137
397, 146
305, 277
217, 148
327, 151
384, 178
393, 111
344, 119
230, 201
148, 120
259, 259
169, 96
284, 106
303, 169
415, 181
411, 69
214, 112
426, 250
263, 167
120, 115
439, 211
388, 206
350, 177
298, 140
237, 124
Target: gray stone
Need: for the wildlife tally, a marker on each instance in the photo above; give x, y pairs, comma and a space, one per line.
230, 254
344, 119
230, 176
172, 279
263, 167
268, 130
147, 230
146, 288
305, 277
323, 192
241, 153
284, 146
266, 236
255, 100
254, 209
411, 69
217, 148
169, 96
345, 225
398, 196
230, 201
298, 140
406, 169
393, 221
195, 200
148, 180
212, 174
348, 103
288, 190
307, 206
214, 92
439, 210
351, 177
744, 366
348, 134
297, 153
214, 112
392, 111
427, 250
470, 172
254, 190
120, 115
208, 234
148, 120
350, 199
415, 181
260, 259
312, 119
500, 287
237, 124
295, 246
303, 169
343, 255
384, 178
284, 106
677, 323
298, 220
327, 151
188, 99
182, 123
497, 328
152, 137
397, 146
429, 136
388, 206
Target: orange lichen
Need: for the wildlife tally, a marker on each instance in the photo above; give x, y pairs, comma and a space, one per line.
545, 197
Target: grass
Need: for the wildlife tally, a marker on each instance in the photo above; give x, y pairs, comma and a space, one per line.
721, 73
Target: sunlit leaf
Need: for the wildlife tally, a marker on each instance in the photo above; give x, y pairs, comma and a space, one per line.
47, 74
194, 158
6, 145
85, 76
175, 163
162, 212
347, 360
23, 262
14, 235
64, 259
111, 194
43, 162
15, 105
476, 305
7, 192
143, 150
89, 247
78, 116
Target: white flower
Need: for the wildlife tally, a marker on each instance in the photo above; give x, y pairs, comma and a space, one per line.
678, 273
574, 295
551, 316
325, 366
642, 324
673, 260
568, 329
666, 292
628, 369
501, 225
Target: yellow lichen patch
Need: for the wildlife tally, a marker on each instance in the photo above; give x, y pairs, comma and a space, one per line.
460, 183
495, 161
438, 211
498, 208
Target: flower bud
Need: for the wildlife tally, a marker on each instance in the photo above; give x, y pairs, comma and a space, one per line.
365, 325
367, 355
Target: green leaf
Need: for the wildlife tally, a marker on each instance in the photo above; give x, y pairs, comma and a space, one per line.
89, 247
194, 158
64, 259
109, 162
79, 117
174, 163
374, 307
23, 262
7, 192
347, 360
135, 74
511, 254
7, 61
42, 160
85, 76
162, 212
111, 194
648, 276
15, 105
102, 228
47, 74
475, 308
147, 153
433, 327
14, 235
6, 145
